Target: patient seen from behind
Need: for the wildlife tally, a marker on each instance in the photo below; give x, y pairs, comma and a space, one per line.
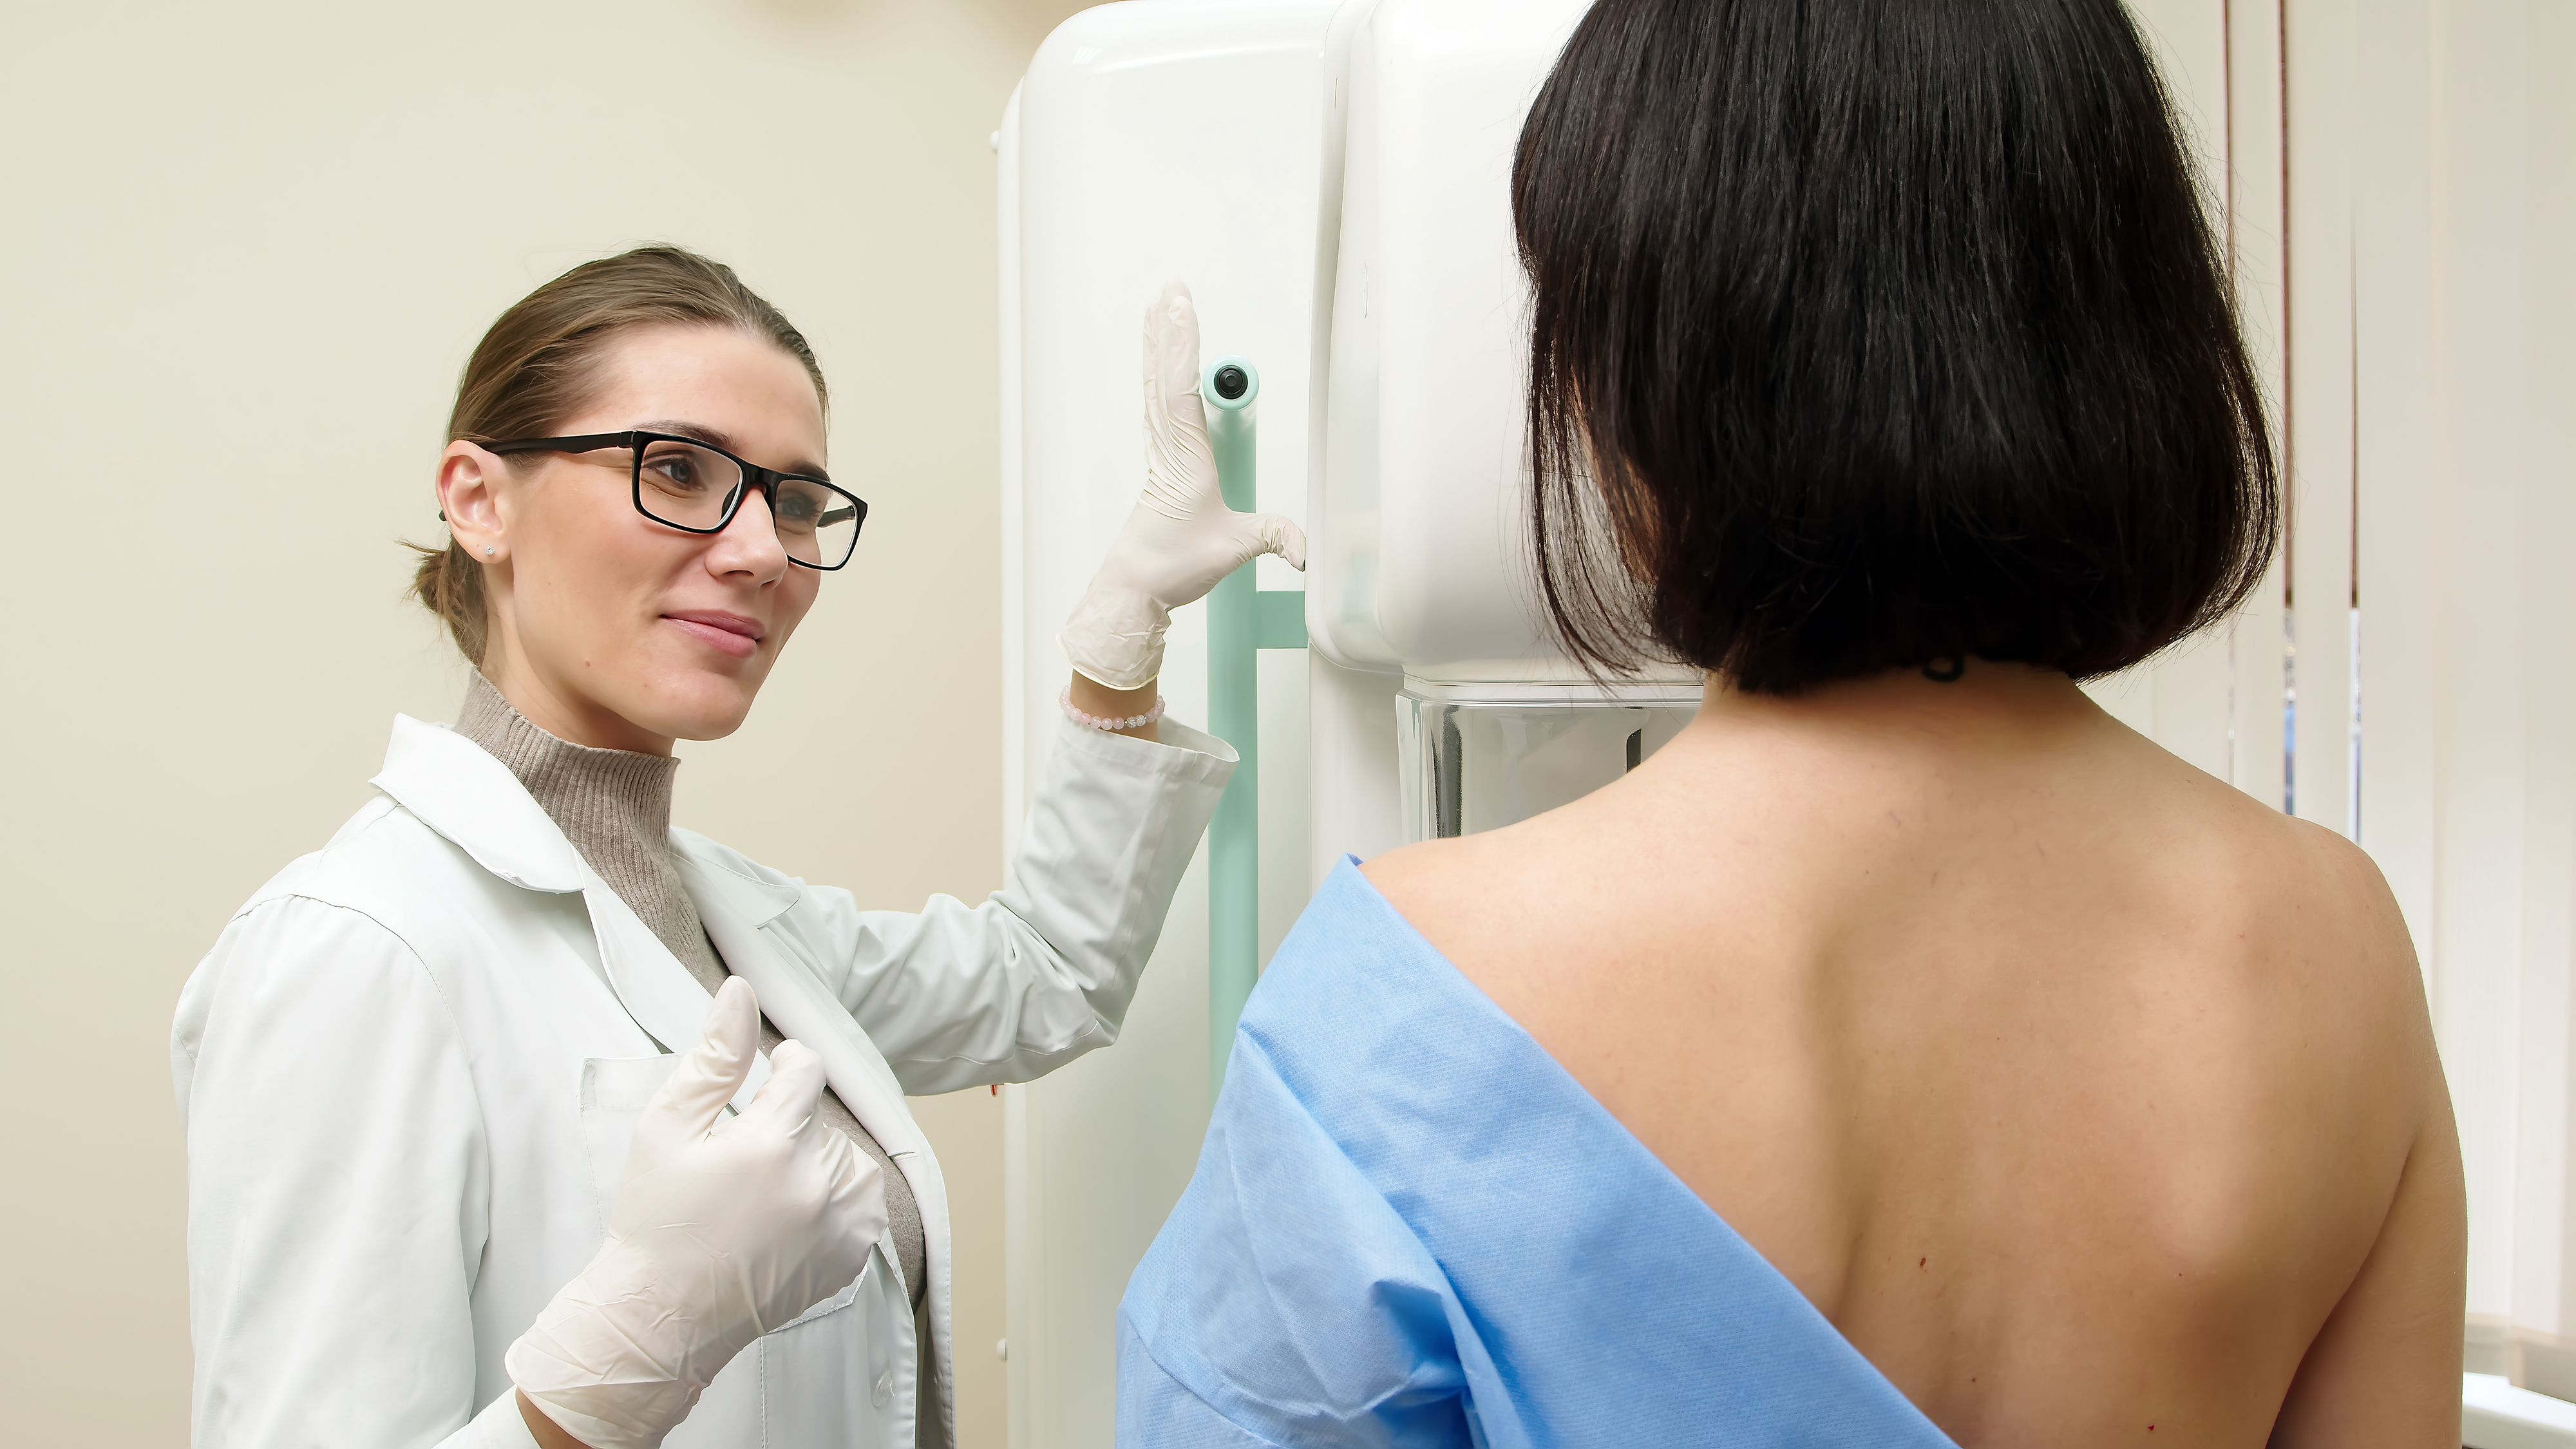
1908, 1053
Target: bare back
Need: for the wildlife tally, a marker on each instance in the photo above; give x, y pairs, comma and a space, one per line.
2090, 1099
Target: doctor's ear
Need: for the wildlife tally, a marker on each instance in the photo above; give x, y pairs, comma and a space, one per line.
467, 500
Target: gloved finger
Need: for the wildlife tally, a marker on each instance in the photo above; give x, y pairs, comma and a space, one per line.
795, 1084
857, 1195
850, 1212
854, 1175
713, 1070
1171, 349
1281, 536
1180, 467
1179, 426
1250, 535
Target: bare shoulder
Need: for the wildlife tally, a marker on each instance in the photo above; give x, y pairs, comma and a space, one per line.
2315, 901
1438, 883
1426, 868
1500, 902
2291, 967
2345, 881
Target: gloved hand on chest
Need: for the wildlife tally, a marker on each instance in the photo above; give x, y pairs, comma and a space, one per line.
723, 1230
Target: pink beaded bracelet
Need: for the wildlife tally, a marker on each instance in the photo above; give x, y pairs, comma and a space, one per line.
1093, 721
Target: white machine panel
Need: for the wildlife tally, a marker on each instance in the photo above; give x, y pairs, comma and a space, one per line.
1421, 546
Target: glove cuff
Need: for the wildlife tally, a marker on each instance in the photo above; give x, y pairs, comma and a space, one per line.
604, 1414
597, 1433
586, 1366
1115, 637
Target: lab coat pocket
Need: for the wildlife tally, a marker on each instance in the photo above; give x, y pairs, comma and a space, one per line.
840, 1377
791, 1389
614, 1091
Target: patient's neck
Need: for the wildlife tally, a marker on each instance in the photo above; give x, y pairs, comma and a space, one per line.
1948, 702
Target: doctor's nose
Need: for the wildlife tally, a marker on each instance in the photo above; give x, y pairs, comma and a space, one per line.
750, 543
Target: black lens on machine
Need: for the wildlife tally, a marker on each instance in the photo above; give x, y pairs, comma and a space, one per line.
1230, 382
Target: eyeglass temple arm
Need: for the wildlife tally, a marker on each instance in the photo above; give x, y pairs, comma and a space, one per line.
580, 444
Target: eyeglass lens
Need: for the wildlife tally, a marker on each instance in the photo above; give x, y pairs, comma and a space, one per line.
684, 484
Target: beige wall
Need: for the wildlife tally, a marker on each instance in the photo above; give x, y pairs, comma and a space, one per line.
247, 248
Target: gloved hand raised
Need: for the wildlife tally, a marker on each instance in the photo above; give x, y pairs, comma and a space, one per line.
1181, 539
722, 1230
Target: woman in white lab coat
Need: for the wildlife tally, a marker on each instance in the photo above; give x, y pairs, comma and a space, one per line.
411, 1067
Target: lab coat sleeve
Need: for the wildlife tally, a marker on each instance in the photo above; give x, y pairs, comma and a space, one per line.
1285, 1301
337, 1190
1043, 970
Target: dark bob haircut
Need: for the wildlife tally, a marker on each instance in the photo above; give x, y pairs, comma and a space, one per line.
1875, 333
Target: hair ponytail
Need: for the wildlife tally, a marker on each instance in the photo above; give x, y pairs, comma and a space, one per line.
449, 583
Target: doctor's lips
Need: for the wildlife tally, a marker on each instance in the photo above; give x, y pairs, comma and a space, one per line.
735, 634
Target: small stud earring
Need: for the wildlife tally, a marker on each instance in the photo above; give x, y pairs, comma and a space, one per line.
487, 550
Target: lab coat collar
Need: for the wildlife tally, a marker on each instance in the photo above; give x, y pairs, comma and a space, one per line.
457, 789
719, 889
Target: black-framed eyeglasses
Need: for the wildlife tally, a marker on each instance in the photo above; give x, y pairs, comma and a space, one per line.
697, 487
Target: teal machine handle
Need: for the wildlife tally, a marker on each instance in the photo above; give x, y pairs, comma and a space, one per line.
1242, 620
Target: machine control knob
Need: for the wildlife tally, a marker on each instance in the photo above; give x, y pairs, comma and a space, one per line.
1230, 384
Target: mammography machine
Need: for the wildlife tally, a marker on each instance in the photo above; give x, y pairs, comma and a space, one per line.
1333, 184
1331, 180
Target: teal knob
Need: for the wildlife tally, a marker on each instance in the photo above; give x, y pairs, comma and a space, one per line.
1230, 383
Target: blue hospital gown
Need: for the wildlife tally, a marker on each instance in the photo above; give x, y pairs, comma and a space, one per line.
1410, 1227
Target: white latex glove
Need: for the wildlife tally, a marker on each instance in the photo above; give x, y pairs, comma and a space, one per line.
1181, 539
723, 1230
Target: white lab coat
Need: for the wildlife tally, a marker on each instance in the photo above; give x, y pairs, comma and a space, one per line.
409, 1068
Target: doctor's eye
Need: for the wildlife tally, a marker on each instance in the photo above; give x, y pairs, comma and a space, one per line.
685, 472
800, 506
675, 469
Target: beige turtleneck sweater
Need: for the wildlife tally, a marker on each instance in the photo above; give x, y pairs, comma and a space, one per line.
615, 808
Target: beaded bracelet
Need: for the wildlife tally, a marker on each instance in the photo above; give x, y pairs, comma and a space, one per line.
1093, 721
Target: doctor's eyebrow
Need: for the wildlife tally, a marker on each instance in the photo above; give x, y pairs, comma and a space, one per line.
722, 439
